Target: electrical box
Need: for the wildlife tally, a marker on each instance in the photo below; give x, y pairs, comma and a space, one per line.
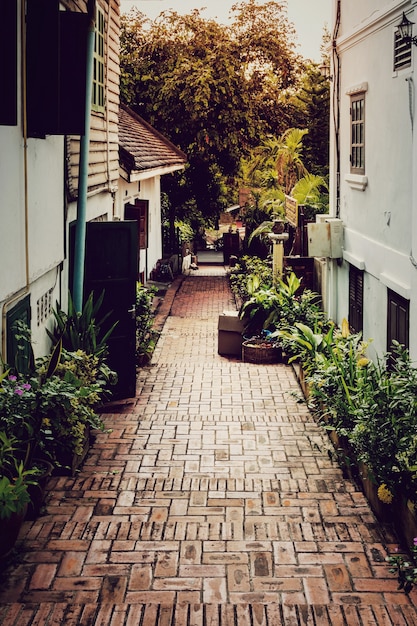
325, 238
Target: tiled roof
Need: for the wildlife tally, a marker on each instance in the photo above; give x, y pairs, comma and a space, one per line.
142, 147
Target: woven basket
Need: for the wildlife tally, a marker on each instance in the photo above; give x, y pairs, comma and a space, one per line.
258, 351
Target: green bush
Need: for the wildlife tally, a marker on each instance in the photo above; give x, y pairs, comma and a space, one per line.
146, 336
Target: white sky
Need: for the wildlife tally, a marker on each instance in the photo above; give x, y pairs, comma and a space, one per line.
308, 16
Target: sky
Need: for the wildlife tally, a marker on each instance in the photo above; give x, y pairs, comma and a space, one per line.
308, 16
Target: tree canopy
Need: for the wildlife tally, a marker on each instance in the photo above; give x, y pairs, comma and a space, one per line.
216, 91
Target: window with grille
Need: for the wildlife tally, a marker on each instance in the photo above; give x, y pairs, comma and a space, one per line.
357, 145
398, 319
402, 52
355, 299
98, 71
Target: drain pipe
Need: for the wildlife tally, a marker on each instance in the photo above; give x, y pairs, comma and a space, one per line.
80, 228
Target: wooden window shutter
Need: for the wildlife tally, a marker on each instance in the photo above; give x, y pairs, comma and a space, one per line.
355, 299
139, 212
8, 63
56, 59
398, 320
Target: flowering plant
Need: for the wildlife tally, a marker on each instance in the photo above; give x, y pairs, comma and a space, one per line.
18, 416
405, 568
67, 402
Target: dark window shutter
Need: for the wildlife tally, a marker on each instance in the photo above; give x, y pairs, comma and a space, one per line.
139, 212
72, 75
8, 63
42, 47
355, 299
56, 59
398, 320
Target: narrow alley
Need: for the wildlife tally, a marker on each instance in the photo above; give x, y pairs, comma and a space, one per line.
212, 501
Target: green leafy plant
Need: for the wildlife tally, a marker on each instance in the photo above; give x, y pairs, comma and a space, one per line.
248, 275
67, 403
18, 417
146, 336
82, 331
14, 479
14, 495
384, 430
405, 567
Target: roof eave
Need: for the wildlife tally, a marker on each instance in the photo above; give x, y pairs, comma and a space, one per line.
137, 175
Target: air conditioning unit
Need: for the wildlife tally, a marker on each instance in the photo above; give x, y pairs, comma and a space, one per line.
325, 237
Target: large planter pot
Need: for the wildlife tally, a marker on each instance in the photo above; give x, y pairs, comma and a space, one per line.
384, 512
37, 491
260, 351
405, 521
9, 532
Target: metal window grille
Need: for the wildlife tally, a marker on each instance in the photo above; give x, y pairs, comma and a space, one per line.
98, 70
357, 154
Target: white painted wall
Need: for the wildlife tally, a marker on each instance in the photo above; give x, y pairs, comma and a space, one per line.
380, 217
12, 253
40, 195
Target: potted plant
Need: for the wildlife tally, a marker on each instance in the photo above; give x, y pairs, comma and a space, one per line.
14, 493
67, 403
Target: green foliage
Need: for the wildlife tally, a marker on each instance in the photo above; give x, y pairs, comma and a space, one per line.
282, 156
384, 430
14, 495
257, 310
15, 478
249, 274
405, 567
212, 89
279, 307
82, 330
186, 231
276, 169
372, 405
146, 336
310, 105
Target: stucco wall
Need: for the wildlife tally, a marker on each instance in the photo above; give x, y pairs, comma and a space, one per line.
378, 209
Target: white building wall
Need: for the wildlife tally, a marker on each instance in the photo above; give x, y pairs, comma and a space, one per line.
377, 208
32, 227
12, 252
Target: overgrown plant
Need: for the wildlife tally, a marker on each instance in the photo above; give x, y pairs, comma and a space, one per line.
405, 567
384, 432
146, 336
247, 273
82, 330
280, 307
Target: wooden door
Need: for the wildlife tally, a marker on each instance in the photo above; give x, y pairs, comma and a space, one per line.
111, 265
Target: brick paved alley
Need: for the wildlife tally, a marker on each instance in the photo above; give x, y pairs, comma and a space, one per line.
213, 502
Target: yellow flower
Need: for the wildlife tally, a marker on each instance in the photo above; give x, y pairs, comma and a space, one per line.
46, 422
384, 494
363, 361
345, 328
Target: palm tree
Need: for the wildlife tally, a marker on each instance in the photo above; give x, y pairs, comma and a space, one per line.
310, 190
282, 155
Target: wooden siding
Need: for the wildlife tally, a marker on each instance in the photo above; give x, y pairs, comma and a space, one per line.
103, 169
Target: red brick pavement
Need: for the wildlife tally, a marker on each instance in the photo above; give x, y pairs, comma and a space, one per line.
212, 501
